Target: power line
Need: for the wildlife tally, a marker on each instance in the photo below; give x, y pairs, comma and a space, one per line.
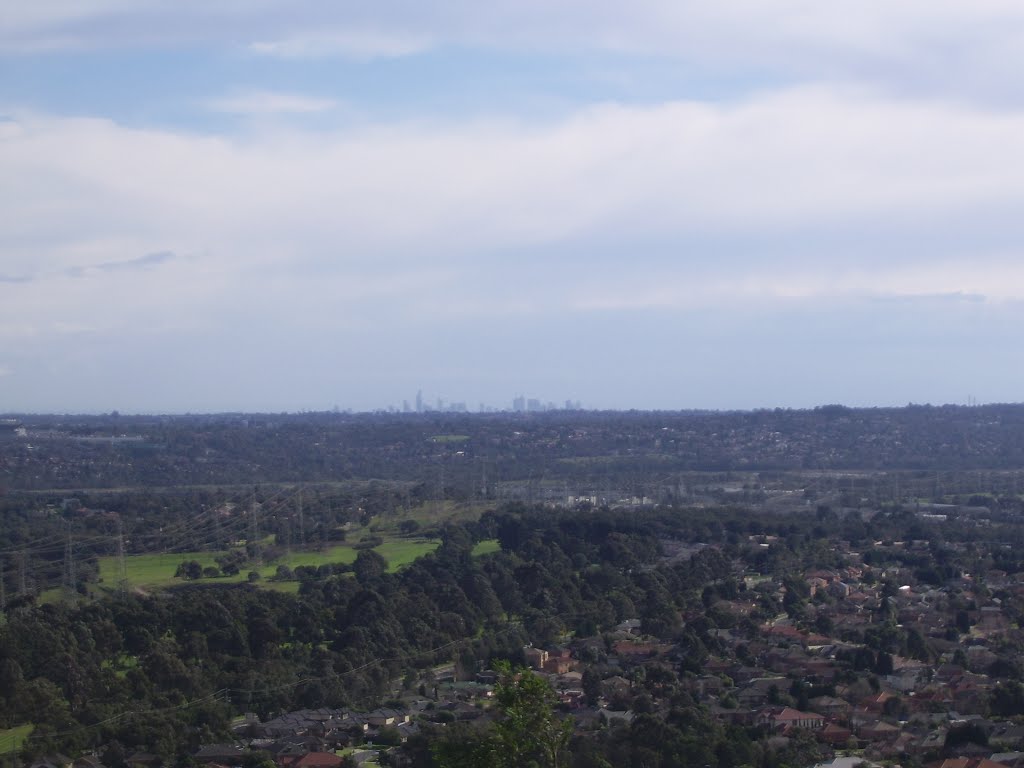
55, 539
44, 558
262, 691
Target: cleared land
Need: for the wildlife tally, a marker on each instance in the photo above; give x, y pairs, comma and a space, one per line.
157, 570
12, 739
486, 547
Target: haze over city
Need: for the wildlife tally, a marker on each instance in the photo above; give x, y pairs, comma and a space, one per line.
285, 206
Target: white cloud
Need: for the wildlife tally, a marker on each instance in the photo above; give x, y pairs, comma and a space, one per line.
985, 278
59, 24
259, 102
902, 182
360, 45
363, 218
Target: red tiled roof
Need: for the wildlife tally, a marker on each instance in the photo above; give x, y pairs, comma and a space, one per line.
318, 760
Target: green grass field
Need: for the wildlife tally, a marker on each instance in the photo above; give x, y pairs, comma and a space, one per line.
486, 547
52, 596
438, 513
157, 570
12, 739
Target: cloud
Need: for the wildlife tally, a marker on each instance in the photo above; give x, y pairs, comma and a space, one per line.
842, 155
360, 45
936, 298
791, 195
34, 27
142, 262
271, 103
935, 283
83, 270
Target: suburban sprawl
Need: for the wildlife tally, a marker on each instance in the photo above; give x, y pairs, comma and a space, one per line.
830, 588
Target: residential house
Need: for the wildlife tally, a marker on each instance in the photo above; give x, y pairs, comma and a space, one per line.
784, 718
224, 754
318, 760
835, 735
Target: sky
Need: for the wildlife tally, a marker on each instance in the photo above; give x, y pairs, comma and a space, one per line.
286, 205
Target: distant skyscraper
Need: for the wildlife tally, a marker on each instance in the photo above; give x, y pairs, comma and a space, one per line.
419, 401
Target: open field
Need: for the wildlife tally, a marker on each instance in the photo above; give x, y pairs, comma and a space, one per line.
12, 739
440, 512
486, 547
157, 570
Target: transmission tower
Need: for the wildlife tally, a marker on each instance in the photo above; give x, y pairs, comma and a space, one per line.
122, 566
440, 490
23, 574
254, 530
218, 533
302, 524
69, 563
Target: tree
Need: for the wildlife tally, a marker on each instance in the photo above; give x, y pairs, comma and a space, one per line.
389, 736
369, 565
231, 562
408, 527
883, 664
189, 570
527, 732
465, 746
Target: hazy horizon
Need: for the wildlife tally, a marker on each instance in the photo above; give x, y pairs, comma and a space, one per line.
490, 410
